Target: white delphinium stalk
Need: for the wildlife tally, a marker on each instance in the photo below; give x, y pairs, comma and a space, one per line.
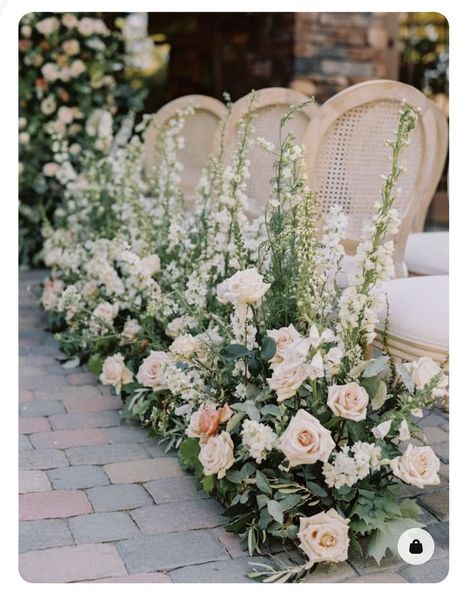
361, 301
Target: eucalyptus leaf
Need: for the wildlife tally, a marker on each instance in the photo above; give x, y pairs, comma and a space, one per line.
235, 351
405, 377
380, 395
262, 483
275, 511
376, 366
268, 348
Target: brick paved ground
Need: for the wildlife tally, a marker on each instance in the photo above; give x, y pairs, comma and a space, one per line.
100, 501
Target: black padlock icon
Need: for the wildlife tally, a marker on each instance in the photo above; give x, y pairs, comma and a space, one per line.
416, 547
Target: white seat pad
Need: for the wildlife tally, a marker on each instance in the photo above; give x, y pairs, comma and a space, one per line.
419, 311
427, 253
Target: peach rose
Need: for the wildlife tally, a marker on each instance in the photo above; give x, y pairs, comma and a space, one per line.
418, 466
325, 537
205, 421
305, 440
348, 401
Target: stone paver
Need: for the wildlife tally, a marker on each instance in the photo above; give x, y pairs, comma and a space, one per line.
41, 534
105, 454
140, 471
170, 550
179, 516
77, 477
101, 500
118, 497
53, 504
69, 564
30, 481
69, 439
103, 526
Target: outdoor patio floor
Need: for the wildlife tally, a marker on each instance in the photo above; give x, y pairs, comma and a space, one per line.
100, 501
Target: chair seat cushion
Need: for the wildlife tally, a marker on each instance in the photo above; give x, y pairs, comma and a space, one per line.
418, 311
427, 253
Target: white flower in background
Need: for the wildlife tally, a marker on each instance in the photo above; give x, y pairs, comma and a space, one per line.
71, 47
185, 346
22, 122
77, 68
404, 431
243, 288
217, 455
259, 439
306, 441
104, 313
179, 325
316, 367
152, 264
131, 329
325, 537
115, 373
347, 469
205, 422
288, 376
26, 31
48, 105
418, 466
24, 137
422, 372
50, 169
69, 20
381, 430
66, 114
332, 360
48, 26
90, 290
151, 371
284, 338
52, 289
348, 401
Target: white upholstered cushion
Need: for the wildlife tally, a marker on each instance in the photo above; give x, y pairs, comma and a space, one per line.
419, 311
427, 253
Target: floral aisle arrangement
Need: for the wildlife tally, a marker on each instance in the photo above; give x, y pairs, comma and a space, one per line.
73, 78
241, 350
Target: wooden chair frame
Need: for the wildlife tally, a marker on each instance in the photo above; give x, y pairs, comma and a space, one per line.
359, 95
171, 109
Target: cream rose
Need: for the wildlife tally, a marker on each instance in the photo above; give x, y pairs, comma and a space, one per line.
243, 288
115, 373
179, 325
288, 377
185, 346
131, 329
106, 312
325, 537
422, 372
71, 47
418, 466
151, 371
48, 26
152, 264
217, 455
305, 440
348, 401
284, 338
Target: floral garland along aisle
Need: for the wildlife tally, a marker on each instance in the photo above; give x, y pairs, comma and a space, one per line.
232, 341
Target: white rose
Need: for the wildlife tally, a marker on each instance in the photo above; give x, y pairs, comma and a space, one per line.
47, 26
86, 26
106, 312
152, 264
48, 105
305, 440
217, 455
348, 401
381, 430
131, 328
243, 288
66, 114
417, 466
179, 325
69, 20
50, 71
26, 31
422, 372
184, 346
24, 137
284, 338
288, 377
115, 373
77, 68
151, 371
71, 47
325, 537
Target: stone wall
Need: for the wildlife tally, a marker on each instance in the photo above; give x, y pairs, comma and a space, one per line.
335, 50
